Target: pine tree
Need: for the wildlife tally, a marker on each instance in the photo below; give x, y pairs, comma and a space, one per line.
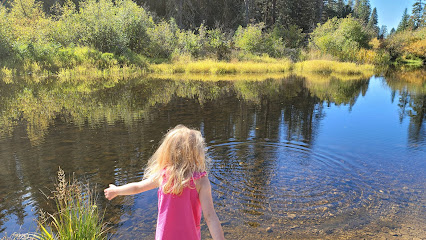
423, 19
372, 24
356, 8
417, 13
362, 10
404, 22
340, 8
392, 31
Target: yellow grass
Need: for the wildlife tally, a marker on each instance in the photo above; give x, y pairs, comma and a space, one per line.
221, 77
273, 68
329, 67
219, 67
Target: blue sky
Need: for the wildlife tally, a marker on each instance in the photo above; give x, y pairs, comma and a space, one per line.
390, 11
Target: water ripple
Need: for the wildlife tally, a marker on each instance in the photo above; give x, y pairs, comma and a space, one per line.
290, 181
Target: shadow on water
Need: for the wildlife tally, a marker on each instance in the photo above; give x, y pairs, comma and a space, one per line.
271, 164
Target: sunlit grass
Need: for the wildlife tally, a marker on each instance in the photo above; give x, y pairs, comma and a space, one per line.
77, 215
219, 67
329, 67
89, 73
321, 70
221, 77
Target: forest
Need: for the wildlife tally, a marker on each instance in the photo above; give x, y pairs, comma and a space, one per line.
49, 37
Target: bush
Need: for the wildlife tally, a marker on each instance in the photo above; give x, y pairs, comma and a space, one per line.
29, 22
218, 43
340, 37
188, 43
250, 39
163, 39
292, 36
105, 25
5, 35
407, 44
77, 215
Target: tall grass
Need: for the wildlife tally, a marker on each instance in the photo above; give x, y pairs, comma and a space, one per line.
328, 67
219, 67
77, 215
212, 69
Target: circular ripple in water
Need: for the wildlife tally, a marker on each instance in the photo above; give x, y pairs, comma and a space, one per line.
288, 181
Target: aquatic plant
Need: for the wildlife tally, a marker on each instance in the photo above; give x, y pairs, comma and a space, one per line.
77, 215
329, 67
219, 67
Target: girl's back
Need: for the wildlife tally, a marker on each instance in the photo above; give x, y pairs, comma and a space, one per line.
179, 215
178, 169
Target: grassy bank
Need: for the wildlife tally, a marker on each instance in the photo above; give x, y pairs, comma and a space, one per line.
208, 69
75, 41
270, 68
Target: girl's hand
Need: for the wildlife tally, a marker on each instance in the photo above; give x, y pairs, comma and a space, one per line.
110, 192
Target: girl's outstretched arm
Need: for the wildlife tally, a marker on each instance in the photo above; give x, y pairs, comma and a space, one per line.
206, 200
130, 189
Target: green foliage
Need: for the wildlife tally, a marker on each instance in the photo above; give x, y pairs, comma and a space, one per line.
362, 10
104, 25
6, 37
188, 43
404, 24
372, 23
218, 44
407, 45
417, 13
250, 38
77, 215
341, 38
291, 35
163, 39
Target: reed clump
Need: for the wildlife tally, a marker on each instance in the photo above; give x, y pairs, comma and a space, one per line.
77, 215
215, 67
329, 67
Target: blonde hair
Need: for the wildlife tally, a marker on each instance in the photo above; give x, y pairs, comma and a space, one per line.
180, 154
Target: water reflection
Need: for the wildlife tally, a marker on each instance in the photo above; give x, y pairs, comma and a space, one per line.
267, 169
38, 105
411, 100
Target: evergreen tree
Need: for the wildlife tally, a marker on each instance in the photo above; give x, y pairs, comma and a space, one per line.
350, 3
392, 31
423, 19
417, 13
340, 8
404, 22
362, 10
372, 23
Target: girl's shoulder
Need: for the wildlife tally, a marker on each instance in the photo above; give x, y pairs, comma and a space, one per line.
198, 175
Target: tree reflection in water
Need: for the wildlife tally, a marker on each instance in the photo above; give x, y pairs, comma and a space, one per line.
106, 130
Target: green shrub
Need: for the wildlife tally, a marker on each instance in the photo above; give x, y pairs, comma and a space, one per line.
163, 39
292, 36
407, 44
29, 22
108, 26
136, 22
341, 38
188, 43
218, 44
250, 39
77, 215
5, 35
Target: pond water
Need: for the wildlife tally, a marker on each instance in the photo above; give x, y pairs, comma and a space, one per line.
290, 158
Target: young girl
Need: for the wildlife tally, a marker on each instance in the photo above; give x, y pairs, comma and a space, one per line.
178, 169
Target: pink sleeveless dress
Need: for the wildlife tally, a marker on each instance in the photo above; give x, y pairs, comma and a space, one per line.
179, 216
